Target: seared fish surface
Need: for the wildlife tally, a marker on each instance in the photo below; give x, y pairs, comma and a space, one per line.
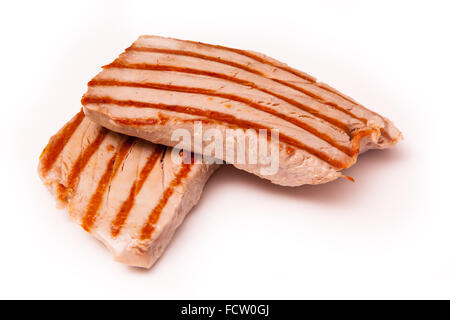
161, 84
126, 192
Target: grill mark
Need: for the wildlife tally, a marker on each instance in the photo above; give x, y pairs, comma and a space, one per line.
248, 102
127, 205
57, 144
84, 157
358, 134
97, 198
258, 58
216, 116
123, 152
148, 228
305, 77
254, 71
336, 92
112, 168
61, 193
343, 96
320, 99
144, 66
194, 55
152, 121
253, 56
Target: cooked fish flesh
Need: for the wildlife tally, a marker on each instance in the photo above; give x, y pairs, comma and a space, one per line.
161, 84
126, 192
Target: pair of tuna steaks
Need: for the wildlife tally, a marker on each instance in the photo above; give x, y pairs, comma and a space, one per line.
111, 165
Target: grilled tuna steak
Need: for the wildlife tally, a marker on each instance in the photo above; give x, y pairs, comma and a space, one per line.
160, 84
125, 191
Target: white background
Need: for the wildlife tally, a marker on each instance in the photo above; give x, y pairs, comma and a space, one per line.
385, 236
